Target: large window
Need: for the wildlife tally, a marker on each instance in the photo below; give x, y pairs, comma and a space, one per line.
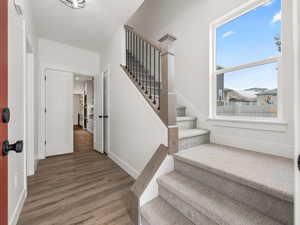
245, 64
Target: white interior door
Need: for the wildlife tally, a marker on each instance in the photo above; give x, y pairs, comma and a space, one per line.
98, 107
59, 113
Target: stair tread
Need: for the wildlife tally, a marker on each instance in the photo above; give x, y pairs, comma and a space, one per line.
186, 133
270, 174
214, 205
185, 118
159, 212
180, 107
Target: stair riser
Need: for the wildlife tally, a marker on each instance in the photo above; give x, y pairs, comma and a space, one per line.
266, 204
188, 124
187, 210
190, 142
180, 111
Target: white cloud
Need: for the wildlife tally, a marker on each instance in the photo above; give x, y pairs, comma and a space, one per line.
228, 33
269, 3
276, 18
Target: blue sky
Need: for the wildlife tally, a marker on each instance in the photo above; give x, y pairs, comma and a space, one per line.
247, 39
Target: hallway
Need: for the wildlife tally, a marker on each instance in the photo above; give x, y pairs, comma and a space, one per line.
83, 140
83, 188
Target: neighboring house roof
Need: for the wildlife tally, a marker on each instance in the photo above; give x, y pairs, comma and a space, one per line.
248, 95
242, 95
272, 92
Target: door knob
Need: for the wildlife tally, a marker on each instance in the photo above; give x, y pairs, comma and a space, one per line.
17, 147
5, 115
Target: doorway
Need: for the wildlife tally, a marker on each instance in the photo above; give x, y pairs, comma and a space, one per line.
83, 113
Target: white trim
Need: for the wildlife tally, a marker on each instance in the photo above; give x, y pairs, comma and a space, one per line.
296, 30
245, 8
24, 103
250, 124
108, 110
124, 165
239, 11
17, 212
248, 65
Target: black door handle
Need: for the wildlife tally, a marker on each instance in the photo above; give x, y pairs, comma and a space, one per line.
5, 115
299, 162
17, 147
105, 117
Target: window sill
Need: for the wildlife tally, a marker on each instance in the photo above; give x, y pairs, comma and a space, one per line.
274, 125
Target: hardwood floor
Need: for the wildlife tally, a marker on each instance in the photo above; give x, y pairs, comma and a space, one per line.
83, 188
83, 140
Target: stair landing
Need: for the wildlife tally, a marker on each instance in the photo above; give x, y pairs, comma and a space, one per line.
271, 174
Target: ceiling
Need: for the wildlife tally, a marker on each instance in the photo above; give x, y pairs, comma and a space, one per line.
89, 28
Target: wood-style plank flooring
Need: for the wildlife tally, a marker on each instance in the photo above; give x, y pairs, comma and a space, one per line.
83, 140
83, 188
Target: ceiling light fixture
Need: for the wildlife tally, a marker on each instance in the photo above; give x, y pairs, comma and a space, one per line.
74, 4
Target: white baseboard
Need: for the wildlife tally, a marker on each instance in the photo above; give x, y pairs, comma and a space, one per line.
124, 165
16, 214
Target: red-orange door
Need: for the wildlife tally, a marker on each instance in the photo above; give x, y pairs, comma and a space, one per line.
3, 104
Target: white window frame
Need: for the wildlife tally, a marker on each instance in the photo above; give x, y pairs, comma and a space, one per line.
249, 6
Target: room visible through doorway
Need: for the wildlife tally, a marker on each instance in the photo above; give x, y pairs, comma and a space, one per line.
83, 113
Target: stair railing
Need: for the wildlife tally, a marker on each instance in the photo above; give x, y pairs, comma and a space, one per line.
151, 68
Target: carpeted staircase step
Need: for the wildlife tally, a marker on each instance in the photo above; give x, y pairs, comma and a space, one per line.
186, 122
192, 137
202, 205
261, 181
159, 212
181, 110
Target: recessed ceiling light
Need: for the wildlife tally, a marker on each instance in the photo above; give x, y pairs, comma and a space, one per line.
74, 4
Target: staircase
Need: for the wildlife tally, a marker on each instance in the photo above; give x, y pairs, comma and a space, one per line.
211, 184
189, 135
214, 184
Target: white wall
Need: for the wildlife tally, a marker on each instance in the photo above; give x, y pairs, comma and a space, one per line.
59, 56
189, 21
29, 112
68, 58
32, 38
135, 130
33, 125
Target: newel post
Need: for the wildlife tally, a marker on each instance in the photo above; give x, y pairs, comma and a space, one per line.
168, 95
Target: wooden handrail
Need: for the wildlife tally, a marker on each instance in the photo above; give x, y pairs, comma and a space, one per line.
143, 181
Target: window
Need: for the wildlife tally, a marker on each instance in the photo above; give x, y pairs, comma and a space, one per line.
246, 51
